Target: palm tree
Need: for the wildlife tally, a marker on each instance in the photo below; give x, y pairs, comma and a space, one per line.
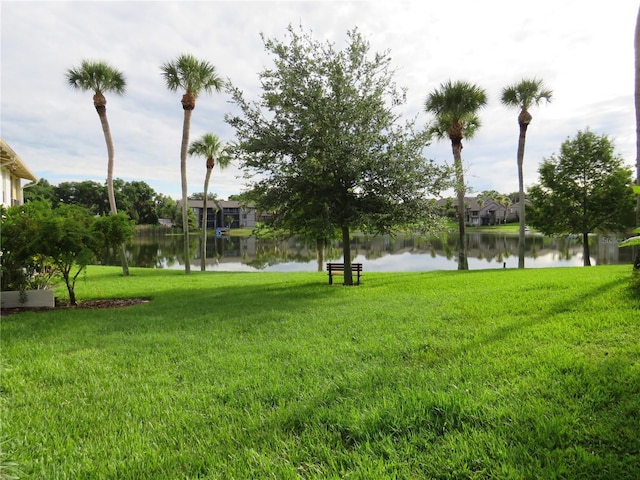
99, 77
523, 95
210, 147
194, 77
636, 263
455, 106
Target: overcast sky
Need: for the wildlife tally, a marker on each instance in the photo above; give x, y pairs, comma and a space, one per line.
582, 49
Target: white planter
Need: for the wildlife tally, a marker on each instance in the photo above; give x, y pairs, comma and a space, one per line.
28, 298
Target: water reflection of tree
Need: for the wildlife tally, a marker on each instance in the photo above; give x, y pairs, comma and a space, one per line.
158, 250
273, 252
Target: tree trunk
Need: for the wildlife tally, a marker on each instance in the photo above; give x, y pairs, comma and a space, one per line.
183, 175
102, 113
320, 253
463, 263
636, 262
521, 197
70, 288
585, 250
346, 254
205, 216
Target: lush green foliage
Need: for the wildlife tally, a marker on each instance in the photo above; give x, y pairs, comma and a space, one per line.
192, 75
525, 94
416, 375
136, 198
98, 77
455, 106
193, 221
38, 240
324, 147
585, 189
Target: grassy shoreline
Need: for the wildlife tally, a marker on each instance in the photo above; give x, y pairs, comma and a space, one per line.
483, 374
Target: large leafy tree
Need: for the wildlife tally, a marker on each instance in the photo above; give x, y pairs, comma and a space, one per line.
455, 106
584, 189
41, 190
100, 78
523, 95
88, 194
210, 147
322, 145
139, 201
193, 76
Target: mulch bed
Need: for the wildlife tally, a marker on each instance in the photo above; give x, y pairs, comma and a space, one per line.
90, 304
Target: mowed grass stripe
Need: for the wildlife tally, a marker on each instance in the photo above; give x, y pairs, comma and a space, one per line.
482, 374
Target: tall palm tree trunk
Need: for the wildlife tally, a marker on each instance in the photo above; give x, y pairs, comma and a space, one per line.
346, 255
463, 263
636, 263
102, 113
205, 216
521, 197
186, 126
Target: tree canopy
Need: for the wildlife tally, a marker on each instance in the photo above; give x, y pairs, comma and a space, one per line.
323, 146
136, 198
584, 189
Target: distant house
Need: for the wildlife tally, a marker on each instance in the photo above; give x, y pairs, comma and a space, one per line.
224, 213
14, 170
481, 211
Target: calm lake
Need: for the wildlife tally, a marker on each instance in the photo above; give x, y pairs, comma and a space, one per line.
163, 249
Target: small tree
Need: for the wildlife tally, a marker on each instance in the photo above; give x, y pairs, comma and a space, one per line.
583, 190
21, 268
323, 145
66, 238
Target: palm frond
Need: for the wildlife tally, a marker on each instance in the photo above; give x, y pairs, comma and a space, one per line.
191, 75
97, 76
210, 146
455, 102
525, 93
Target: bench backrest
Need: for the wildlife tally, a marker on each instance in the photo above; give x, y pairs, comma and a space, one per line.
340, 267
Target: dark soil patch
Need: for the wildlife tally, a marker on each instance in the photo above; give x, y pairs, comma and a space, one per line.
89, 304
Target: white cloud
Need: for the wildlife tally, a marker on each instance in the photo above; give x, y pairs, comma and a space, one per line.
583, 51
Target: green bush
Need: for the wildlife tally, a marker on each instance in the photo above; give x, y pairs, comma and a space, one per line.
39, 242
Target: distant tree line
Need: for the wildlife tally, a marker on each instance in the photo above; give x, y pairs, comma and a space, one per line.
136, 199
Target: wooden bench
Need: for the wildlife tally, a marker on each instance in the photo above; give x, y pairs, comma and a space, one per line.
338, 269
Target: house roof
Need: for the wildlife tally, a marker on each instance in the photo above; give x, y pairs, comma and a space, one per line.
473, 203
13, 162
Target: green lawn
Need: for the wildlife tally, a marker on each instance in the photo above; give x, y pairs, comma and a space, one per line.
510, 374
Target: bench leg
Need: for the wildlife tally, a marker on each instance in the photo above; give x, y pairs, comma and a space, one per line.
330, 279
